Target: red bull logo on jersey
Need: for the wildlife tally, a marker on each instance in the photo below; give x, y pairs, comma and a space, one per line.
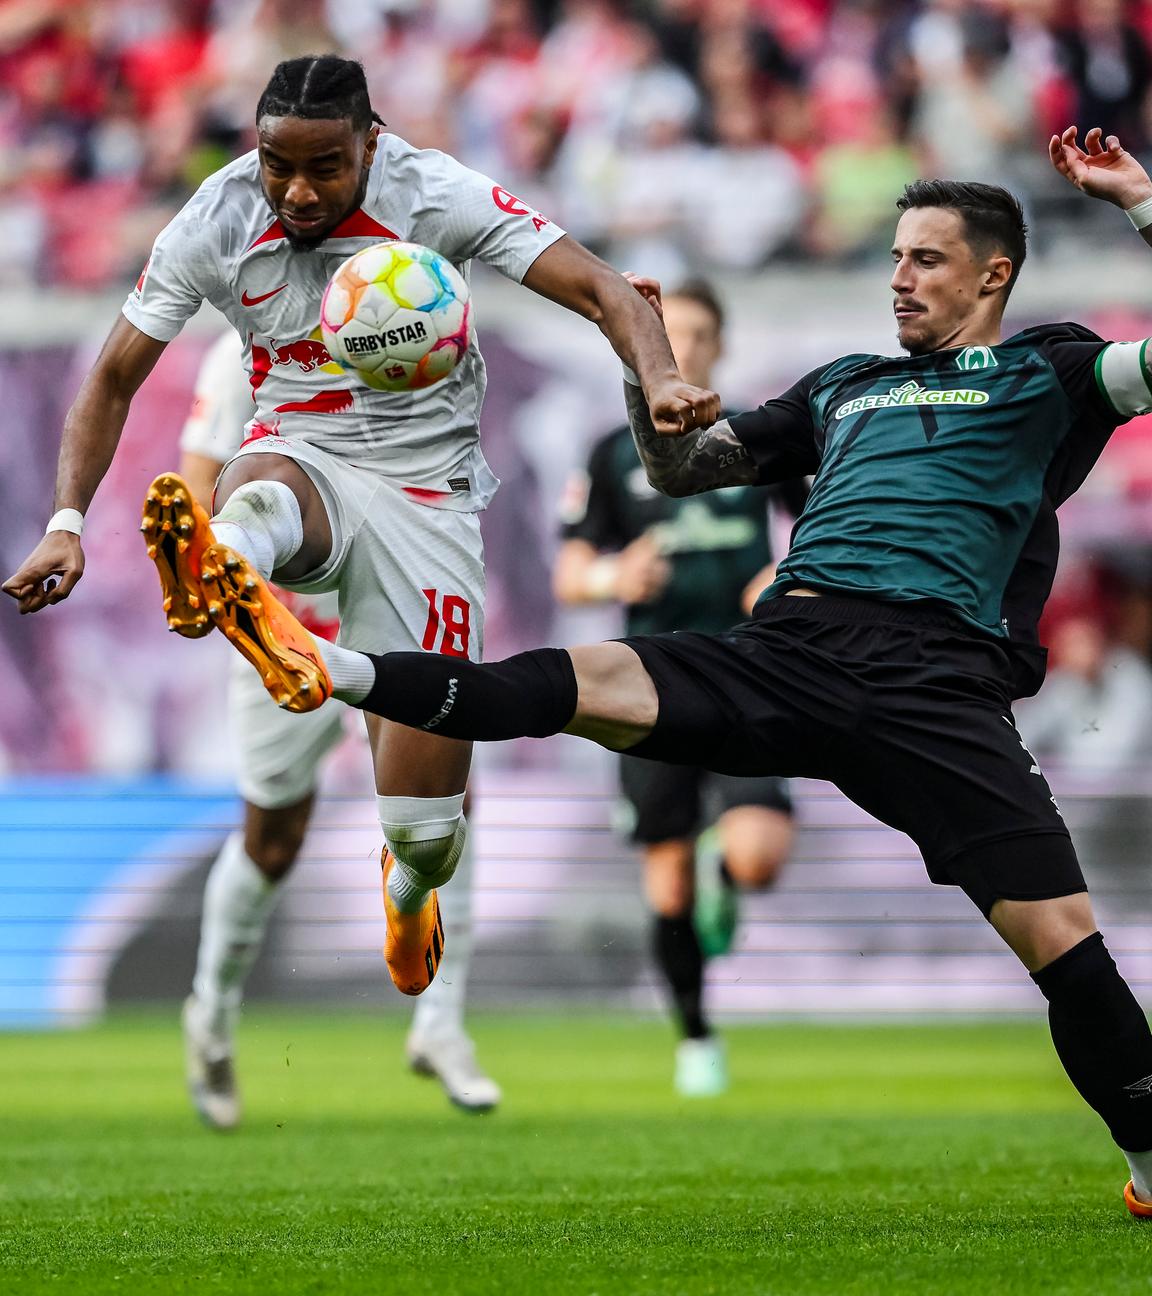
307, 354
910, 395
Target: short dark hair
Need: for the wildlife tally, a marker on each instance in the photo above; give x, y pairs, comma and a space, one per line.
993, 217
318, 87
703, 294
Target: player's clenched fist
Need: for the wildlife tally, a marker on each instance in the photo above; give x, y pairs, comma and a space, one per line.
49, 573
678, 407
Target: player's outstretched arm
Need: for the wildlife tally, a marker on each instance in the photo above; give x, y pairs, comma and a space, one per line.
91, 433
1101, 168
681, 466
569, 274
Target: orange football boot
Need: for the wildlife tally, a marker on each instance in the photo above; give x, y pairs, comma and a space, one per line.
1135, 1206
262, 629
176, 531
414, 944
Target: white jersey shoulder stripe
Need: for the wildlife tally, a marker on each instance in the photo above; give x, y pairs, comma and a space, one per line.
1122, 375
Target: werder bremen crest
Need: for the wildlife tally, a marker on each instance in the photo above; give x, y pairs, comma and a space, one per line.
976, 357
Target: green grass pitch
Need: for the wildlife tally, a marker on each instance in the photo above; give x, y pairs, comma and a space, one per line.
877, 1160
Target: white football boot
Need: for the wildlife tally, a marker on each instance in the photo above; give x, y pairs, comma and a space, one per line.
209, 1071
451, 1059
701, 1068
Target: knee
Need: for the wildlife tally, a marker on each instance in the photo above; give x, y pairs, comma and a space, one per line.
251, 469
274, 850
425, 833
756, 844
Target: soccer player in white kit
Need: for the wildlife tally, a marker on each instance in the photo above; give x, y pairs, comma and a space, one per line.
339, 487
278, 762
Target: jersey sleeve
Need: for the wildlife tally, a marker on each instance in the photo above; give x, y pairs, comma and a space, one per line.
589, 510
472, 216
780, 435
222, 404
1122, 376
1104, 381
179, 274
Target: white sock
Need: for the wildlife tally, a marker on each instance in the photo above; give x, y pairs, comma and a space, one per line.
439, 1011
353, 673
1140, 1163
426, 836
261, 520
238, 900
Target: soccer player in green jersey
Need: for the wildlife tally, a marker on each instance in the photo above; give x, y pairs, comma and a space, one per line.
902, 624
683, 564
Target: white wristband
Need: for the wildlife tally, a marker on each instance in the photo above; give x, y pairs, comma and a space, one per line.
1141, 214
66, 520
630, 376
600, 581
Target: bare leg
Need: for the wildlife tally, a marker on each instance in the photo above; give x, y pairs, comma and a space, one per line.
1039, 931
411, 763
755, 841
617, 702
273, 838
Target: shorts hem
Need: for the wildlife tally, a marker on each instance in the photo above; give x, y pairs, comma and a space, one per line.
1029, 865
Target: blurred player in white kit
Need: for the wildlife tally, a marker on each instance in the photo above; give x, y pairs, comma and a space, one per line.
338, 487
278, 764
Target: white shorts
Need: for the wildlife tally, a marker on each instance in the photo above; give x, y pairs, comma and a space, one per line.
408, 576
278, 754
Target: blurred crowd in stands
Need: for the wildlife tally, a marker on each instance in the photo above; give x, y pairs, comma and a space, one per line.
661, 132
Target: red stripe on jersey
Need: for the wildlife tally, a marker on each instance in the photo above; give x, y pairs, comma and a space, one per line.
325, 402
259, 431
271, 234
422, 492
361, 225
358, 225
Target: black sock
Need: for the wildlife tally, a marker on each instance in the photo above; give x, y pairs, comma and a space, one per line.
530, 695
1102, 1038
678, 956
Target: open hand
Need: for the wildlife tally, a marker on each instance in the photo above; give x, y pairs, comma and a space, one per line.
49, 573
1101, 169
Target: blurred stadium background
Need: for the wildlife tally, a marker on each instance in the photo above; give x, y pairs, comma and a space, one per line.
761, 142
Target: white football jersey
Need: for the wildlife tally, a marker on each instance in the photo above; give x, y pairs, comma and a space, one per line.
226, 247
215, 428
222, 404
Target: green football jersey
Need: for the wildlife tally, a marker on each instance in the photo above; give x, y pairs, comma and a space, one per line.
937, 477
714, 543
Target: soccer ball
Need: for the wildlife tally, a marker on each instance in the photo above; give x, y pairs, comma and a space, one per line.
398, 315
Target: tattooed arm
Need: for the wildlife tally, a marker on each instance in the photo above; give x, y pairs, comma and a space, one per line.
687, 465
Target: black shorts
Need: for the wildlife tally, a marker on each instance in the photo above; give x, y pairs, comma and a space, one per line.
673, 802
900, 706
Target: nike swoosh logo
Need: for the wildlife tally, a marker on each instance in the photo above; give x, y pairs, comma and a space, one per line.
255, 301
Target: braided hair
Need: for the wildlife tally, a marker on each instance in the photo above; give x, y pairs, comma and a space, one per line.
318, 87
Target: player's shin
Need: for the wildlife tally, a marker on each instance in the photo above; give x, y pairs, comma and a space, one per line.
238, 901
439, 1012
531, 695
261, 520
676, 948
1103, 1039
425, 837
